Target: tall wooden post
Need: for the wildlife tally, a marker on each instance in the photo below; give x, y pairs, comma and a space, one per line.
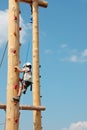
36, 81
12, 111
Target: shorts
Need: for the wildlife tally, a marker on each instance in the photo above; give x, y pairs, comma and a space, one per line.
26, 83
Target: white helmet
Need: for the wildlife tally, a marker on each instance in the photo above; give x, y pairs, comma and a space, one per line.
28, 64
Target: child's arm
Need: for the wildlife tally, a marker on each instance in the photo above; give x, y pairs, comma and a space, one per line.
18, 69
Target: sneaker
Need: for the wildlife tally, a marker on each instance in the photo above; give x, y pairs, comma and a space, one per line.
24, 91
16, 99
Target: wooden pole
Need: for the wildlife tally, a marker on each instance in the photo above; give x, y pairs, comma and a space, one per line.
36, 81
25, 107
12, 113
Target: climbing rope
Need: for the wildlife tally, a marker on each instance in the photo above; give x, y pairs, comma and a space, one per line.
27, 53
29, 44
3, 54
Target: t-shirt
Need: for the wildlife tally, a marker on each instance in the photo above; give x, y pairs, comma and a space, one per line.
27, 74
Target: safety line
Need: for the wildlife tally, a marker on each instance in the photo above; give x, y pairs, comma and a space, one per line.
3, 54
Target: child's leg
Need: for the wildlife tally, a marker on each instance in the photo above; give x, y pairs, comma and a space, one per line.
20, 89
24, 84
24, 87
17, 98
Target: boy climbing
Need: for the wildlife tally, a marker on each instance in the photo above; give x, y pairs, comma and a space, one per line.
26, 81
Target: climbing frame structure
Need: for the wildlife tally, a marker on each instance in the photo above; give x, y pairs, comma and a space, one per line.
12, 108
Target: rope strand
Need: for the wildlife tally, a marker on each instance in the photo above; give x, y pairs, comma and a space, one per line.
27, 52
3, 54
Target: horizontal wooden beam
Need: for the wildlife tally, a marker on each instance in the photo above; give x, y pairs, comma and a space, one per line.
41, 3
25, 107
32, 108
2, 106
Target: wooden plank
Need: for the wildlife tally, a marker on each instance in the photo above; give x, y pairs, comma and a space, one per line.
25, 107
41, 3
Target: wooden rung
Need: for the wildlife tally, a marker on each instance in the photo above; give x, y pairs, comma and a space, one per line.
25, 107
41, 3
2, 106
31, 107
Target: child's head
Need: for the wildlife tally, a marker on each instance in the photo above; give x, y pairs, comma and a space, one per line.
28, 64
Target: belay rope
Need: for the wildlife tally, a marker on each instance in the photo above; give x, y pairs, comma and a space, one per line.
27, 53
3, 54
27, 60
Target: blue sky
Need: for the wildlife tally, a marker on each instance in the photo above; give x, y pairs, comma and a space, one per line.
63, 59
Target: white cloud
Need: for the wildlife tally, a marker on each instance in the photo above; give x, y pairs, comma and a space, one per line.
70, 55
77, 126
73, 58
63, 46
25, 30
48, 51
4, 28
84, 52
